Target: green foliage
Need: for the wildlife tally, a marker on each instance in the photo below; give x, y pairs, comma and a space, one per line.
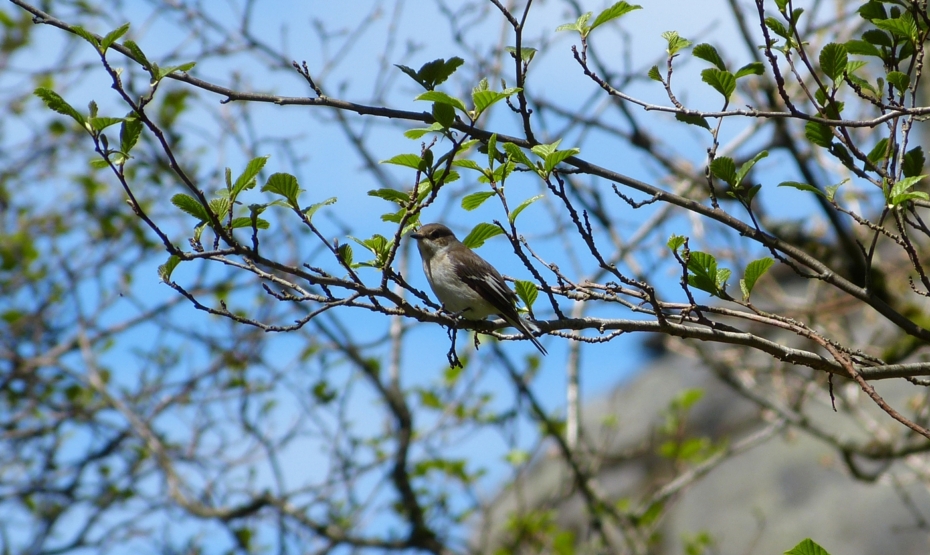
833, 60
901, 191
433, 73
754, 270
722, 81
581, 24
708, 53
113, 36
481, 233
165, 270
522, 206
818, 133
675, 42
285, 185
527, 292
58, 104
693, 119
704, 274
474, 200
807, 547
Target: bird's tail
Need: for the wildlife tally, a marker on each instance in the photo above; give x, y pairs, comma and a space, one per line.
526, 328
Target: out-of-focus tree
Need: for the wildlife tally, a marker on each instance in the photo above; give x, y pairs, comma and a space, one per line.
213, 327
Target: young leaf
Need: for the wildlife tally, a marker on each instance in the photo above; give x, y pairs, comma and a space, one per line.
901, 193
468, 164
747, 165
580, 25
693, 119
475, 200
527, 292
900, 80
807, 547
675, 242
833, 60
913, 162
703, 268
879, 152
802, 187
752, 68
99, 124
245, 221
517, 155
408, 160
165, 270
654, 74
391, 195
58, 104
190, 205
442, 98
724, 168
247, 179
345, 254
444, 114
164, 72
113, 36
723, 81
617, 10
481, 233
526, 53
311, 210
903, 27
818, 133
553, 159
675, 43
754, 270
708, 53
516, 211
137, 54
129, 133
283, 184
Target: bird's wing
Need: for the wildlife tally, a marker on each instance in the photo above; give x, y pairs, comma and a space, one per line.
478, 274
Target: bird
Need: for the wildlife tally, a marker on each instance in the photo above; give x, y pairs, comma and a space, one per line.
465, 283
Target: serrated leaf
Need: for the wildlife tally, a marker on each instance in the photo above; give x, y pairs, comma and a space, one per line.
544, 150
675, 42
693, 119
752, 68
516, 211
113, 36
723, 81
818, 133
527, 292
484, 99
283, 184
872, 10
526, 54
723, 275
554, 159
617, 10
99, 124
444, 114
220, 206
311, 210
747, 165
675, 242
517, 155
137, 53
900, 80
164, 72
802, 187
913, 162
901, 193
580, 25
434, 72
903, 27
708, 53
481, 233
474, 200
245, 221
58, 104
778, 28
754, 270
86, 35
833, 60
468, 164
724, 168
165, 270
345, 254
129, 133
247, 179
408, 160
861, 48
654, 74
807, 547
391, 195
703, 268
191, 206
442, 98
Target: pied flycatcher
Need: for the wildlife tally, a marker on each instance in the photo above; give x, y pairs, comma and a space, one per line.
465, 283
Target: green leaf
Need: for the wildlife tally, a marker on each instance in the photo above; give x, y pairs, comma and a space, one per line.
862, 48
408, 160
345, 254
58, 104
903, 27
833, 60
708, 53
900, 80
311, 210
283, 184
526, 53
220, 206
879, 152
527, 292
484, 99
754, 270
818, 133
778, 28
544, 150
166, 269
913, 162
802, 187
872, 10
129, 133
704, 273
433, 73
675, 242
723, 81
468, 164
99, 124
516, 211
444, 114
113, 36
753, 68
693, 119
247, 179
481, 233
137, 53
675, 43
747, 165
580, 25
245, 221
723, 275
724, 168
391, 195
475, 200
555, 158
617, 10
901, 193
164, 72
878, 38
86, 35
442, 98
807, 547
517, 155
191, 206
654, 74
417, 133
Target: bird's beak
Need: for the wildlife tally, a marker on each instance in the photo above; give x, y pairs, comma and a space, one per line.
416, 235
